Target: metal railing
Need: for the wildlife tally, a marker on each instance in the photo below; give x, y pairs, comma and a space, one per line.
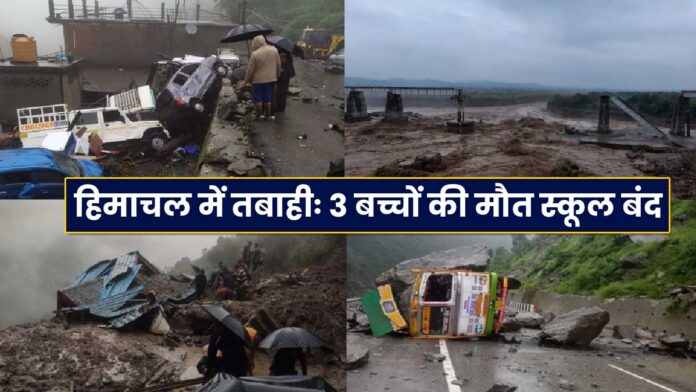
92, 10
521, 307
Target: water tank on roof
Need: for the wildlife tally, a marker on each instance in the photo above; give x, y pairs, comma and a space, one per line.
23, 49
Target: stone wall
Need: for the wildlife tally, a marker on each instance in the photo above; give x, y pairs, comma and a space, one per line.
136, 44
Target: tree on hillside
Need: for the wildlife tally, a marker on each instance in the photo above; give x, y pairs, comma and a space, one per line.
288, 18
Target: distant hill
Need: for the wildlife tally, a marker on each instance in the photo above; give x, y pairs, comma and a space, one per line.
481, 84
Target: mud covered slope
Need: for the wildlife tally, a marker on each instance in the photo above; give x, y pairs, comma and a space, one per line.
52, 356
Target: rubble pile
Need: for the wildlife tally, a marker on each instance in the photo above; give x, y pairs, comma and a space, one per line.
48, 357
86, 355
656, 342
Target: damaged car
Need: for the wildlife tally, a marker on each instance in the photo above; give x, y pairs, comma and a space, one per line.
38, 173
190, 93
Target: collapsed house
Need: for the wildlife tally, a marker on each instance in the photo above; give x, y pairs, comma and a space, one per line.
126, 292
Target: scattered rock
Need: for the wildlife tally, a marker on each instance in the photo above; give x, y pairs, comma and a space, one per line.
577, 327
675, 341
567, 385
460, 381
624, 331
509, 338
357, 358
433, 357
640, 333
510, 325
530, 319
502, 388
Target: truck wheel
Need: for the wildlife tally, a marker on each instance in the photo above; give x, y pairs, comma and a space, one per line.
156, 139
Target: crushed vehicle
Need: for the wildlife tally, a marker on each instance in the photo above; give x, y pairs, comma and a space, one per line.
38, 173
338, 59
127, 292
229, 57
441, 303
191, 91
115, 124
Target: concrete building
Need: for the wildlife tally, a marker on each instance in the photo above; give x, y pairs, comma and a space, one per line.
37, 84
134, 37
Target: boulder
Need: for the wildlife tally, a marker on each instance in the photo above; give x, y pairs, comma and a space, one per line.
633, 262
401, 277
530, 319
510, 326
578, 327
624, 332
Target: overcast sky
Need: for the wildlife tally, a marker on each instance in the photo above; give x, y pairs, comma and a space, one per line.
37, 258
615, 44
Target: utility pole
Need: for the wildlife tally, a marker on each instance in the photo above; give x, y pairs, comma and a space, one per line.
244, 12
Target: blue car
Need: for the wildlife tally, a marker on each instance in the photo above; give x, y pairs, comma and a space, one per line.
38, 173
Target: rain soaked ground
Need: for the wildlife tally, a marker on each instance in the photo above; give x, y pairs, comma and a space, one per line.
398, 364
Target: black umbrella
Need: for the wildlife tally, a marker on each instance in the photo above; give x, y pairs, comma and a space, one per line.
286, 45
245, 33
229, 321
291, 337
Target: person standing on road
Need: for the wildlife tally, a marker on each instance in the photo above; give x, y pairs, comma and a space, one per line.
262, 74
287, 72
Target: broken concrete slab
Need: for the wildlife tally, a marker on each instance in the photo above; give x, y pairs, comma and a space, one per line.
578, 327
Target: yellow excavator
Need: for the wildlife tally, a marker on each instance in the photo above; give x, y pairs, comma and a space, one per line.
319, 43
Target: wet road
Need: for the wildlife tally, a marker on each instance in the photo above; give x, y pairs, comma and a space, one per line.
285, 154
398, 364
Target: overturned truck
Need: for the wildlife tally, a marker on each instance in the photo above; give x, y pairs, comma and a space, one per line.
441, 295
126, 292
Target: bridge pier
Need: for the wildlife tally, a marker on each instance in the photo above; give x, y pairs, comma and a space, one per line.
461, 123
603, 124
356, 107
681, 118
394, 108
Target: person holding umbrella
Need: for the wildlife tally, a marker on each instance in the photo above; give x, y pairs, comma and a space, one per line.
286, 49
290, 342
231, 338
262, 74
